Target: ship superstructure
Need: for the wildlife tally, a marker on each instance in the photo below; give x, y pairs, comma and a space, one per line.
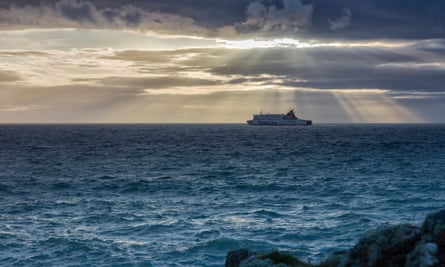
288, 119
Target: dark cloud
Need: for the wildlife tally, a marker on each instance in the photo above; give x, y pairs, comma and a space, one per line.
89, 14
338, 19
78, 11
382, 19
340, 68
292, 16
416, 67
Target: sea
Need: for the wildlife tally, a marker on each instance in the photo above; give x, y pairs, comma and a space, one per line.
187, 194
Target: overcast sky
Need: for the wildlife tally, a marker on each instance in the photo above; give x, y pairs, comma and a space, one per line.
220, 61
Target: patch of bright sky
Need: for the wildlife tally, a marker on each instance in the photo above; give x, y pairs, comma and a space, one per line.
414, 65
65, 39
417, 95
294, 43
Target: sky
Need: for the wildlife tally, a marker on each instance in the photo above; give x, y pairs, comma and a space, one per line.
206, 61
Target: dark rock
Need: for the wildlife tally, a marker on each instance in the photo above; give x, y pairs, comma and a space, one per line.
338, 258
235, 257
430, 251
423, 255
434, 225
386, 247
440, 255
281, 258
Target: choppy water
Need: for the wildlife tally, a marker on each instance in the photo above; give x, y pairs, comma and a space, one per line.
184, 195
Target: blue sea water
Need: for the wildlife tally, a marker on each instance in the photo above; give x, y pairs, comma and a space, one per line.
185, 195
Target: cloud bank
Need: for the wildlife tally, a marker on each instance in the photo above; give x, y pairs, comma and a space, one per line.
293, 16
85, 14
317, 19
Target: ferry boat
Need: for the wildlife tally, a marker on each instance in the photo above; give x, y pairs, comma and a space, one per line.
288, 119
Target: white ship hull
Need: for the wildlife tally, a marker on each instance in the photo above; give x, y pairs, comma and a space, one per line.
279, 123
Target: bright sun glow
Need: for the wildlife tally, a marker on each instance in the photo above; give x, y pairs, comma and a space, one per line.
251, 43
294, 43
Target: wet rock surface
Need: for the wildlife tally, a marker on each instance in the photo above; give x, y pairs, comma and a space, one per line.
393, 246
235, 257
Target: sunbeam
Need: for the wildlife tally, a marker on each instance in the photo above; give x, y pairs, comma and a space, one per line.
324, 80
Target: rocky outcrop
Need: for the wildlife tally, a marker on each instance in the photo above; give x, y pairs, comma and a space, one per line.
394, 246
384, 247
430, 251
